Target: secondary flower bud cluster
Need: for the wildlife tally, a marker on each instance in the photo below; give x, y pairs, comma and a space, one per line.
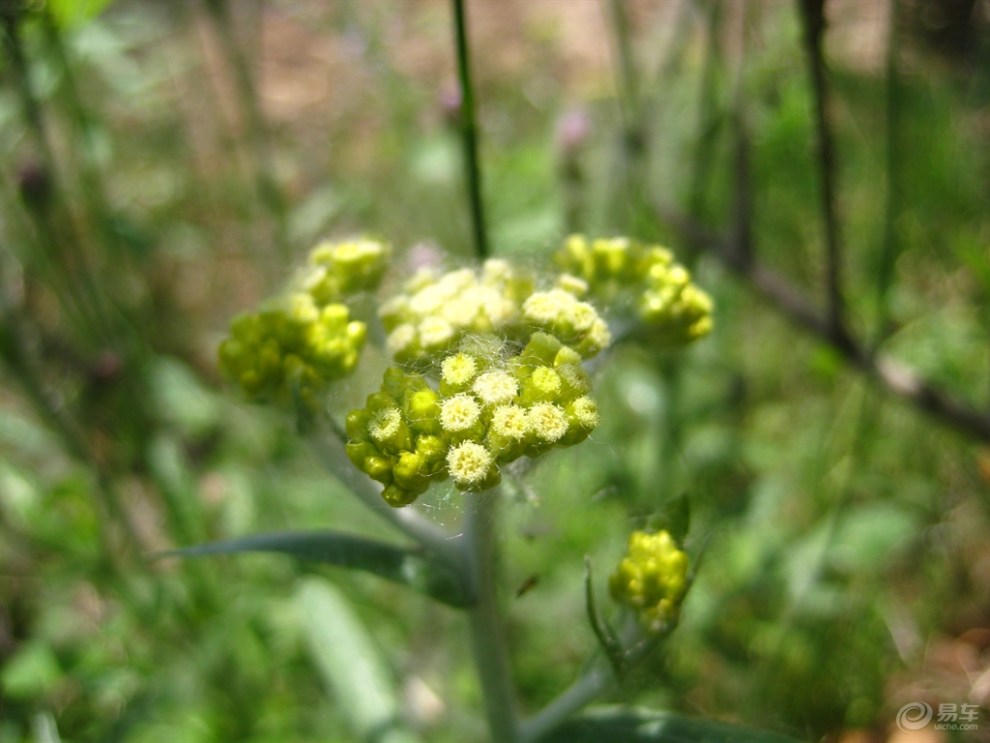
665, 299
434, 313
288, 350
340, 269
487, 411
651, 579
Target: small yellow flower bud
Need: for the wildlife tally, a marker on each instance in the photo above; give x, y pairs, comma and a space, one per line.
422, 409
471, 466
411, 472
572, 285
398, 497
584, 412
651, 578
384, 424
435, 333
548, 422
401, 340
458, 370
495, 387
545, 382
459, 413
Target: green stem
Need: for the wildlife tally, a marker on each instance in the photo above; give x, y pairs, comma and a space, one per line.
628, 79
487, 636
889, 249
407, 520
813, 20
632, 197
469, 132
589, 686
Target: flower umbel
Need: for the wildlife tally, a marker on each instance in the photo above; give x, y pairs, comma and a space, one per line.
651, 579
296, 344
660, 291
486, 413
288, 351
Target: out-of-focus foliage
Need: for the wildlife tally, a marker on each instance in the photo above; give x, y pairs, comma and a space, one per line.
155, 156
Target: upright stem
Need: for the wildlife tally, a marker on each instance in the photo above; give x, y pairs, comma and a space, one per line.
633, 194
813, 18
469, 132
628, 82
487, 636
892, 154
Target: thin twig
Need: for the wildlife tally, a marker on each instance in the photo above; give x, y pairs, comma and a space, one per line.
892, 154
469, 131
892, 375
742, 217
813, 18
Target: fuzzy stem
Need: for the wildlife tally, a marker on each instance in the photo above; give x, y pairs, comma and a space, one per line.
469, 131
487, 634
407, 520
588, 687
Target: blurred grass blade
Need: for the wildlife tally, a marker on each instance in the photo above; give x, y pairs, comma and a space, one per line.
350, 664
631, 725
416, 569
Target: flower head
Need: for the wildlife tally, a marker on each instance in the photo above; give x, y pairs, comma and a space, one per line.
472, 466
651, 579
459, 413
458, 370
645, 280
495, 387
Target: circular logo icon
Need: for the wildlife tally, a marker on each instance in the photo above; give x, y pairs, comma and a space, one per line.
914, 716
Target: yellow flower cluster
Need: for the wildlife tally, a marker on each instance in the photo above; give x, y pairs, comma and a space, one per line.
289, 350
488, 411
434, 313
651, 579
666, 301
339, 269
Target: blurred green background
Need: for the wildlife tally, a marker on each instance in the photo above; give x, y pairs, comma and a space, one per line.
167, 164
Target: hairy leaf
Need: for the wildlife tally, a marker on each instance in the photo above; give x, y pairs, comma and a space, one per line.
414, 568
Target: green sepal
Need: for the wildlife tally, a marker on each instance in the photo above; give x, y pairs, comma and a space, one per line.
606, 636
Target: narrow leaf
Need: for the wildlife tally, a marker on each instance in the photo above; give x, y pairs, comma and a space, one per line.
417, 569
603, 631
